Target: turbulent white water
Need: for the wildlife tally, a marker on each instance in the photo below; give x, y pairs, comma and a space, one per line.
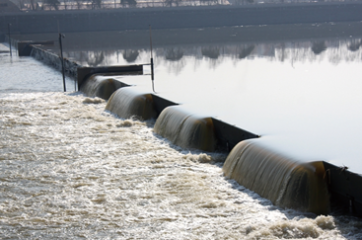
71, 170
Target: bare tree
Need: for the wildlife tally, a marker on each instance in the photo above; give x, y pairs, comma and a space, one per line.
209, 2
21, 3
170, 3
79, 3
53, 3
96, 4
32, 5
130, 3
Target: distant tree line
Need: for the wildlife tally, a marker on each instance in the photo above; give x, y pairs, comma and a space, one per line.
39, 5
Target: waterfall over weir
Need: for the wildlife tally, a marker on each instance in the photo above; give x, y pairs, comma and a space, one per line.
100, 86
126, 102
286, 182
186, 130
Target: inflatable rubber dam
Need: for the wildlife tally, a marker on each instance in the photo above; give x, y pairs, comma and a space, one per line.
310, 186
256, 160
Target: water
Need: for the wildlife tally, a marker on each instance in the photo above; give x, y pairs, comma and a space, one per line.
297, 88
26, 74
71, 170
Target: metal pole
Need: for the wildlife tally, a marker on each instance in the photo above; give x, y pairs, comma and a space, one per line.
75, 84
62, 59
152, 73
11, 54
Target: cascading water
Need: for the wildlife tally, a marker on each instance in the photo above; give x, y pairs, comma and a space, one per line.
286, 182
186, 130
100, 86
126, 102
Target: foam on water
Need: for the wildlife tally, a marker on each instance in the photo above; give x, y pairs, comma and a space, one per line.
71, 170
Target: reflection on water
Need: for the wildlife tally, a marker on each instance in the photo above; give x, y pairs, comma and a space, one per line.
130, 55
246, 51
319, 47
335, 51
95, 59
354, 45
174, 54
211, 52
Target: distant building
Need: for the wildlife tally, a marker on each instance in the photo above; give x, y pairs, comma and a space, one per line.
8, 6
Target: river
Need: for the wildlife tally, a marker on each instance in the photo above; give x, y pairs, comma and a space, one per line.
71, 170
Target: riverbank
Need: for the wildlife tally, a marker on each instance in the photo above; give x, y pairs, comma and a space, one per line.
178, 18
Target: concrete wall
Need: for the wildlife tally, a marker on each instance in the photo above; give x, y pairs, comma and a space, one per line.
181, 17
53, 60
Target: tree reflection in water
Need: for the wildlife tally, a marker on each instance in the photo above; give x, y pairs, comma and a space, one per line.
211, 52
246, 51
319, 47
354, 45
130, 55
174, 54
96, 59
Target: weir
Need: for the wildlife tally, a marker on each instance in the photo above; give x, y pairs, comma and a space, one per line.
101, 86
126, 102
186, 130
287, 182
310, 186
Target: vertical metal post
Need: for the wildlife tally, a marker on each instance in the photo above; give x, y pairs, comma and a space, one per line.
11, 53
62, 59
152, 73
75, 84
